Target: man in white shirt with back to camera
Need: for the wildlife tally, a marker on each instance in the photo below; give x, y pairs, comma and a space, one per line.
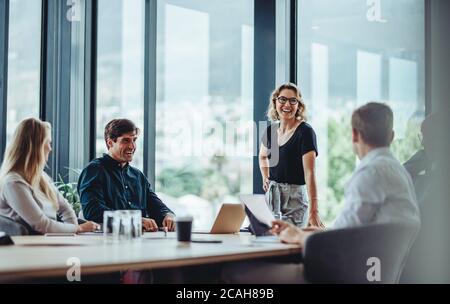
379, 191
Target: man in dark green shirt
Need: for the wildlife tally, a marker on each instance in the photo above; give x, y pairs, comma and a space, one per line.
110, 183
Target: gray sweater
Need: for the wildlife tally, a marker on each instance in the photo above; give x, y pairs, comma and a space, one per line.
19, 201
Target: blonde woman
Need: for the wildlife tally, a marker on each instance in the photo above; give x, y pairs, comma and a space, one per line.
27, 194
287, 159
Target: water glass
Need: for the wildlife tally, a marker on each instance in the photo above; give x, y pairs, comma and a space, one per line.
122, 225
136, 224
108, 226
278, 215
124, 229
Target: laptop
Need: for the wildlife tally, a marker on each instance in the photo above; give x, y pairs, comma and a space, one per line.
228, 221
256, 227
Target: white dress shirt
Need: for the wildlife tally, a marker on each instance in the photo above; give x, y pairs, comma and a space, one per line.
379, 191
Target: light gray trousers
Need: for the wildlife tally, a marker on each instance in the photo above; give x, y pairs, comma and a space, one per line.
290, 201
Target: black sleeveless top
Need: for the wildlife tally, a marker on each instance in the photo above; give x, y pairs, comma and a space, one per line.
286, 162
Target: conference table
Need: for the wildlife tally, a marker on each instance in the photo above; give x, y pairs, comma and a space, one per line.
39, 257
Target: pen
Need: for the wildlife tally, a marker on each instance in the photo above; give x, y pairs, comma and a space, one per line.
164, 229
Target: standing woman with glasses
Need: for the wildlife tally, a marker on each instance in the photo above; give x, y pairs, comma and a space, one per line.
27, 194
287, 159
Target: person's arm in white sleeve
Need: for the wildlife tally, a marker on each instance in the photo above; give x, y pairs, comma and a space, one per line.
363, 198
19, 197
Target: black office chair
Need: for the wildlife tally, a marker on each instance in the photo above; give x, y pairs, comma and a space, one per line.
13, 228
341, 256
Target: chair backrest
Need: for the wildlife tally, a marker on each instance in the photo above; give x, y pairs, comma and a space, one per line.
343, 256
12, 228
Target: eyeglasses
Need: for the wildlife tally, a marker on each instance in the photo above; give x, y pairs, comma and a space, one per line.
292, 101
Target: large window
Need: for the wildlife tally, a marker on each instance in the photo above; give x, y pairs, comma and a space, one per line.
204, 110
120, 67
24, 57
350, 54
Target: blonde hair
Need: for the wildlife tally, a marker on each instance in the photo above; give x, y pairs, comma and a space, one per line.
25, 156
272, 113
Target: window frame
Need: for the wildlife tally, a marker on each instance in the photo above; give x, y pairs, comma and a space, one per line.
4, 36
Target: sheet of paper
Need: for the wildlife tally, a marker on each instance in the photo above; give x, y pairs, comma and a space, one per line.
267, 239
257, 205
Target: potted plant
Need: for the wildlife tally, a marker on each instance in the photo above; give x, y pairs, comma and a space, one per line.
69, 192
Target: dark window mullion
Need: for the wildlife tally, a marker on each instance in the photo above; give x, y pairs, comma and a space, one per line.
4, 25
264, 72
43, 66
91, 74
293, 77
